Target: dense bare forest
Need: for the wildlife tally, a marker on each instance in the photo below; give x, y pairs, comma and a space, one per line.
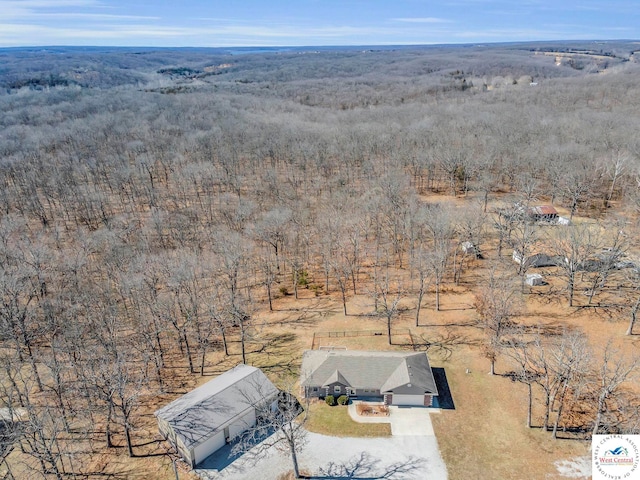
154, 203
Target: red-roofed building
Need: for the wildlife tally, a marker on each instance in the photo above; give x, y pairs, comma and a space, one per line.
543, 213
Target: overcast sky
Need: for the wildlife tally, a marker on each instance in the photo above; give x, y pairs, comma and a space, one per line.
221, 23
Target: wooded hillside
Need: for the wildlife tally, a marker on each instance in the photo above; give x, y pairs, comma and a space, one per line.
153, 204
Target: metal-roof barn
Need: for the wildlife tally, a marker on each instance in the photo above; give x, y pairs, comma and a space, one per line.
205, 419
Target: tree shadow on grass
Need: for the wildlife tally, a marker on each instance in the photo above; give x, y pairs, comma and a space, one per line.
299, 317
443, 344
454, 324
281, 368
365, 467
456, 308
274, 355
97, 474
550, 329
157, 441
123, 473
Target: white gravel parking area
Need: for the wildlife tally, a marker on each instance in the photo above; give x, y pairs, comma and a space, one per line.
397, 457
411, 453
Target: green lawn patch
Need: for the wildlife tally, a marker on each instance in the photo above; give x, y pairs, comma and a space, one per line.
336, 422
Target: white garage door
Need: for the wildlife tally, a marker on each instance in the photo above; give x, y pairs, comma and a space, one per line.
407, 399
206, 448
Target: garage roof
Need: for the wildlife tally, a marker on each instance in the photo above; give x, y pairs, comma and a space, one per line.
201, 413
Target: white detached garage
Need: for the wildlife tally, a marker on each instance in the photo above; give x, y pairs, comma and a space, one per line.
205, 419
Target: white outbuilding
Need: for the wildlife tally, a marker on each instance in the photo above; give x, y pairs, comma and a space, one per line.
534, 279
202, 421
469, 248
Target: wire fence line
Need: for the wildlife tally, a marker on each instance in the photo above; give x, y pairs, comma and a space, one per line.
318, 337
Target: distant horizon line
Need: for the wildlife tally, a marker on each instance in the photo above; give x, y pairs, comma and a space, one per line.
323, 47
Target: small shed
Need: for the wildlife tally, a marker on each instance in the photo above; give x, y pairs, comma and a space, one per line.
202, 421
535, 279
469, 248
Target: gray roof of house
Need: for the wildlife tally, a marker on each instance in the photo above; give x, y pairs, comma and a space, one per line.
372, 370
199, 414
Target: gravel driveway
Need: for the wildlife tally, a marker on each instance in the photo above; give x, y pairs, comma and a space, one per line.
410, 453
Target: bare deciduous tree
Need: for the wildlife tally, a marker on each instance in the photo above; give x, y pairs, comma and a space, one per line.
518, 350
387, 295
614, 371
570, 358
575, 245
609, 258
441, 229
272, 230
496, 304
278, 428
634, 274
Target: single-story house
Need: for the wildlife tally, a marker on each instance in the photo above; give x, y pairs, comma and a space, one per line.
397, 378
537, 260
202, 421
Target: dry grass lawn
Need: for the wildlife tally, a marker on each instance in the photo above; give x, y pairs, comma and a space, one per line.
485, 436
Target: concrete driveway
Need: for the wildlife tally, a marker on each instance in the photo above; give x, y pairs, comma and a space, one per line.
411, 421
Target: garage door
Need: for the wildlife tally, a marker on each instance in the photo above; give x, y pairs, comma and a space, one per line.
205, 449
407, 399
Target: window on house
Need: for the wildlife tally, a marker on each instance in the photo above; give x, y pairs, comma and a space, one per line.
337, 389
315, 389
